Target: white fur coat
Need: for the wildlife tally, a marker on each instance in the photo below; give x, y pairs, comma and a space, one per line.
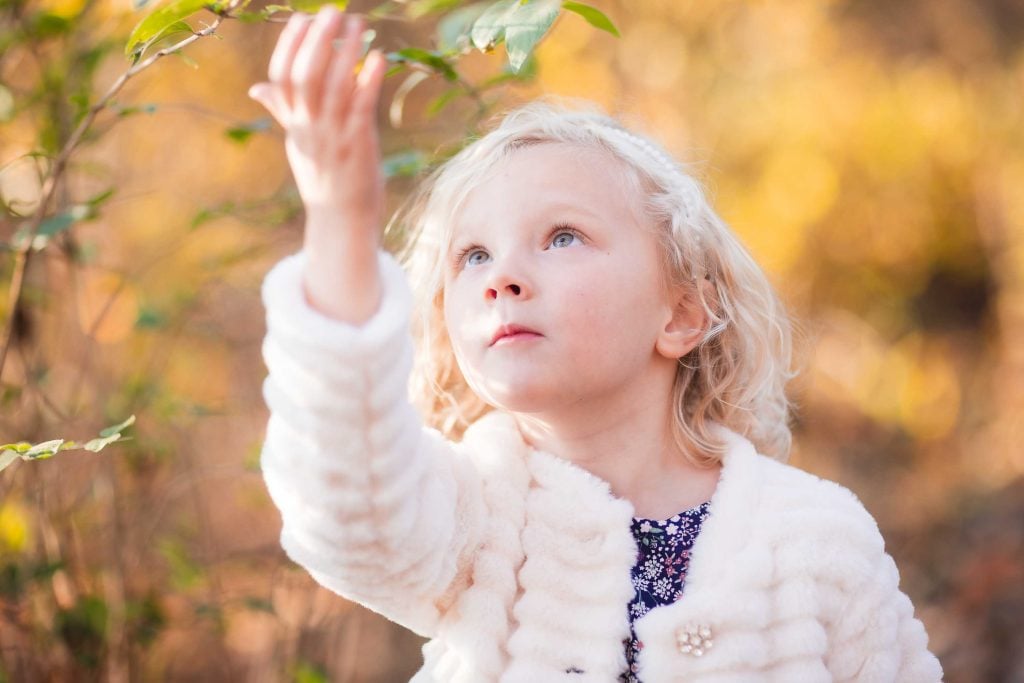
517, 564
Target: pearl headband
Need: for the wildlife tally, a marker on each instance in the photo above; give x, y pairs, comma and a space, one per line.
687, 189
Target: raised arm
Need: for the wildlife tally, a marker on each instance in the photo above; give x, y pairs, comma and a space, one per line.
375, 506
329, 118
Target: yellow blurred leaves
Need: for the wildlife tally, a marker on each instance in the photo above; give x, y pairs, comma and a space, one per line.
107, 305
911, 384
796, 187
14, 531
648, 38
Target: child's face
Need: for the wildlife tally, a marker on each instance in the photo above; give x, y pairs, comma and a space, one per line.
594, 297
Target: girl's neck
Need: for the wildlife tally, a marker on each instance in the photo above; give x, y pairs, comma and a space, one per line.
629, 446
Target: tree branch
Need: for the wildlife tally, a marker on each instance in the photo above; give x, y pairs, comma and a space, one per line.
23, 251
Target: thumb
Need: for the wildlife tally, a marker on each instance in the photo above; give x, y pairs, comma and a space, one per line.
264, 94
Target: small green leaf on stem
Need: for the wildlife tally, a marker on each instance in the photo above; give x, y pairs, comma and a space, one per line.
118, 428
453, 29
421, 8
259, 604
43, 450
404, 164
312, 6
594, 16
433, 60
442, 101
520, 23
161, 23
244, 131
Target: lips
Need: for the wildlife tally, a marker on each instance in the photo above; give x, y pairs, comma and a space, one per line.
510, 330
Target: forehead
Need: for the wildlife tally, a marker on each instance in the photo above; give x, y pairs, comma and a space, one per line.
550, 176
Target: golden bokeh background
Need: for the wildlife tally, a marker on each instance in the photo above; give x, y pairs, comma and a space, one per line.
870, 154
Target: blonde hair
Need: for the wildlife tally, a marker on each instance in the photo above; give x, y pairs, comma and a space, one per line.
734, 377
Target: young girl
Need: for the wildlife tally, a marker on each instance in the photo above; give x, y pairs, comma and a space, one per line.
599, 492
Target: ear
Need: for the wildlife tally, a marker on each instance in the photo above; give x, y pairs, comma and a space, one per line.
685, 324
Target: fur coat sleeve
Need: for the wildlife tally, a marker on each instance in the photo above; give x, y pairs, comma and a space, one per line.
376, 507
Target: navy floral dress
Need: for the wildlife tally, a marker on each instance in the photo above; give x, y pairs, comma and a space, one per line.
663, 556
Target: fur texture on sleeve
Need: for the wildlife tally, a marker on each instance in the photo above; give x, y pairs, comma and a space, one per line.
376, 507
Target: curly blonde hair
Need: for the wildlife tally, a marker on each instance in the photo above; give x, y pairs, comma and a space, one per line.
734, 377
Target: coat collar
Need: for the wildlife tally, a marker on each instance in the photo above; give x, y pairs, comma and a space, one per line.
724, 533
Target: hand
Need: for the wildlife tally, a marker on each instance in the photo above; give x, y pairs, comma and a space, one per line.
329, 117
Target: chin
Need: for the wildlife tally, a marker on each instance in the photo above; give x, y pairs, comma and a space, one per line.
516, 399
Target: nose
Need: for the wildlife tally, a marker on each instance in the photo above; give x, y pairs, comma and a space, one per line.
503, 282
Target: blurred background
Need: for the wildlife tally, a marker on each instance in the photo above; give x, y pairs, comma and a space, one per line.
870, 154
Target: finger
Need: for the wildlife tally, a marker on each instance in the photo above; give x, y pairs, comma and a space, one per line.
267, 94
284, 54
367, 92
340, 81
312, 60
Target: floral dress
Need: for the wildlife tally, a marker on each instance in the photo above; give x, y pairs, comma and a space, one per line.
663, 556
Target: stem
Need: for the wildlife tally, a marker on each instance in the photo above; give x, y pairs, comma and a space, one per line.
50, 185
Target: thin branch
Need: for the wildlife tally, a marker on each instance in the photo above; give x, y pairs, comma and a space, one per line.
49, 189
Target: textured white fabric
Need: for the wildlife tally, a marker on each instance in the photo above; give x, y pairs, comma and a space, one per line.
516, 564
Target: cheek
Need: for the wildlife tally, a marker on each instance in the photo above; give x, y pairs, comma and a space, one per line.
457, 323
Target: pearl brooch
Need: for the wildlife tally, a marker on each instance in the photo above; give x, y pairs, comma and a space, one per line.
694, 639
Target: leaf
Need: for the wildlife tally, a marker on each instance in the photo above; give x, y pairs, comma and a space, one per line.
123, 111
118, 428
421, 8
244, 131
442, 101
311, 6
489, 28
259, 604
6, 458
520, 23
454, 28
594, 16
532, 21
430, 59
404, 164
161, 23
43, 450
308, 673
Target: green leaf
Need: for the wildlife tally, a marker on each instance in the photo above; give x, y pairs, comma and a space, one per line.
259, 604
453, 29
489, 28
430, 59
43, 450
7, 457
594, 16
161, 23
123, 111
308, 673
532, 21
185, 572
404, 164
421, 8
312, 6
442, 101
520, 23
118, 428
244, 131
83, 629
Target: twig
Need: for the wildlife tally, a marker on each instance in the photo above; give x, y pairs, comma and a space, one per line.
49, 189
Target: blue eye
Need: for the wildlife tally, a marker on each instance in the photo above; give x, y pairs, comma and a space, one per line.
563, 239
471, 257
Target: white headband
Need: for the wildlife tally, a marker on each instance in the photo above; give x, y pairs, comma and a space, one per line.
687, 189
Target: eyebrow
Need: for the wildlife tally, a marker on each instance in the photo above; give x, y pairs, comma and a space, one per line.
562, 206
